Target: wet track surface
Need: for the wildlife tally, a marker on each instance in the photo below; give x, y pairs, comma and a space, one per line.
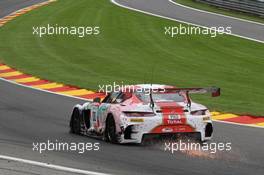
28, 116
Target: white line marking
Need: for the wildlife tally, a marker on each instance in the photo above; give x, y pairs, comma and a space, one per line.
79, 98
30, 87
14, 12
204, 11
13, 82
152, 14
51, 166
42, 164
239, 124
172, 19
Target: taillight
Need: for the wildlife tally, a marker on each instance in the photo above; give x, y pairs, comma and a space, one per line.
139, 114
199, 112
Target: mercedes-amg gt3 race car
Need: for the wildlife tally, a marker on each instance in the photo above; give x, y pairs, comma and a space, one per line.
139, 112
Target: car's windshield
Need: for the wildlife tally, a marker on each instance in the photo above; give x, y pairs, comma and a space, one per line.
159, 97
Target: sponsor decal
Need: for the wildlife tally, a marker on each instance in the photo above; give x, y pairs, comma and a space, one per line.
167, 130
137, 120
172, 129
206, 118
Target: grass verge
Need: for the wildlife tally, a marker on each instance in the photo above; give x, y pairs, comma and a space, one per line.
132, 48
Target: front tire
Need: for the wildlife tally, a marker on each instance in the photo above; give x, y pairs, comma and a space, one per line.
75, 122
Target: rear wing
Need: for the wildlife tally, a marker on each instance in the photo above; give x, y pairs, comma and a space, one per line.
214, 91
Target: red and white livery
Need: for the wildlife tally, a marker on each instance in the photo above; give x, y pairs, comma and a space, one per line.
139, 112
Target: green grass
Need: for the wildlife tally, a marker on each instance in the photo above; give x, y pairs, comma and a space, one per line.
206, 7
132, 48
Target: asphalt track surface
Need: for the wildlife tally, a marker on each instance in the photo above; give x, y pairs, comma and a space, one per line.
166, 8
9, 6
28, 116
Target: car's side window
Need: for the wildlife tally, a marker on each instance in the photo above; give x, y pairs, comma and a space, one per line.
106, 99
114, 96
111, 98
123, 96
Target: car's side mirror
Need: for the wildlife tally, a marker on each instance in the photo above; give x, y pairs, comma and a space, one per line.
97, 100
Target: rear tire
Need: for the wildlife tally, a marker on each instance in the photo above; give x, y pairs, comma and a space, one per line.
110, 130
75, 122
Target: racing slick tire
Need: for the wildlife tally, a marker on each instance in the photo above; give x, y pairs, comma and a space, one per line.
110, 130
75, 125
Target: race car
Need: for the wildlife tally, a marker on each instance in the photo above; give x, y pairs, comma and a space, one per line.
139, 112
